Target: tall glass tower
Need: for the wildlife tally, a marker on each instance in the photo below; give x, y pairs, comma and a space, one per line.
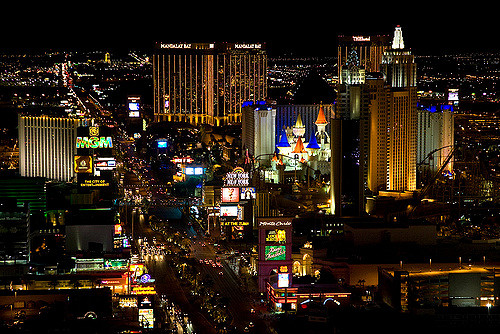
206, 83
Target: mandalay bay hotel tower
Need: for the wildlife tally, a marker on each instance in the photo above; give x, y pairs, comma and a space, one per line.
206, 83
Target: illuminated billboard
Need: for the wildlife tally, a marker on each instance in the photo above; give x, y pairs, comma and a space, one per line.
193, 171
230, 195
247, 193
234, 223
134, 105
128, 301
161, 143
105, 163
453, 96
89, 264
146, 318
276, 236
275, 253
82, 164
283, 281
136, 271
115, 264
229, 211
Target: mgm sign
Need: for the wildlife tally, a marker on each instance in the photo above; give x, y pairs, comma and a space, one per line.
93, 140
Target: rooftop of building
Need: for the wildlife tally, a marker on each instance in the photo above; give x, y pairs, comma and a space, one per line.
366, 39
210, 46
423, 270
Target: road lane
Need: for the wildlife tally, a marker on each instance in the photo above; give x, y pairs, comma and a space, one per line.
226, 284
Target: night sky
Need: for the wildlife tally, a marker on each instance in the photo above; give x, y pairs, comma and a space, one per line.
307, 29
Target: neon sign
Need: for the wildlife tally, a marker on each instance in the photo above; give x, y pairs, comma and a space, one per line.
248, 46
237, 178
275, 223
361, 38
275, 253
143, 290
94, 142
175, 45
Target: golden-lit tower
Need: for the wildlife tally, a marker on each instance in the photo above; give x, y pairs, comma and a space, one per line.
399, 69
207, 83
299, 129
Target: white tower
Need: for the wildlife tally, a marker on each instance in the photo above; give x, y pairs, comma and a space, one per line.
397, 41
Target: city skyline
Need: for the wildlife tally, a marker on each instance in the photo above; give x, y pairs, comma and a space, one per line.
235, 179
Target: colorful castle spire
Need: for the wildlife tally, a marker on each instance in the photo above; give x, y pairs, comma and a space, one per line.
299, 147
313, 143
321, 117
283, 140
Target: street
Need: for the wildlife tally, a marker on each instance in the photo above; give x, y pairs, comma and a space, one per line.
166, 282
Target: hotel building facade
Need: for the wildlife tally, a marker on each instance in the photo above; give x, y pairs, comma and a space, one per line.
47, 147
400, 71
206, 83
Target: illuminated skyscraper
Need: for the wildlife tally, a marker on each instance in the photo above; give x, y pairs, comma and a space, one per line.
258, 126
377, 159
206, 83
352, 114
47, 146
374, 132
399, 69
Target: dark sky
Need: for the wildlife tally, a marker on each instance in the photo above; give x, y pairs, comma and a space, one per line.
306, 28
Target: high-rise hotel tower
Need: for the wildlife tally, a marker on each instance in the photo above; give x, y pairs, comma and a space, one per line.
374, 131
400, 71
206, 83
47, 146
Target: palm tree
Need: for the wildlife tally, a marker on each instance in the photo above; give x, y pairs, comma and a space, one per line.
53, 283
75, 282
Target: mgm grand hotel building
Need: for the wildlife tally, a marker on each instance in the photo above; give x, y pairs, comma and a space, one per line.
206, 83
